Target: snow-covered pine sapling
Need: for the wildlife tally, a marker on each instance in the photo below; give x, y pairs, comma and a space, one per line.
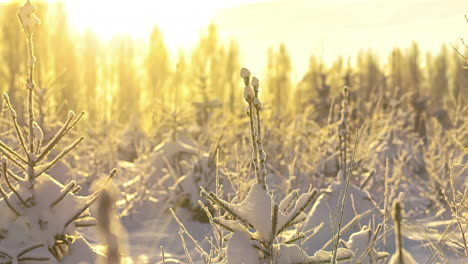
41, 218
258, 223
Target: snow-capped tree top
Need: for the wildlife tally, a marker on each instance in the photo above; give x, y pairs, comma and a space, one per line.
244, 73
27, 9
28, 19
71, 114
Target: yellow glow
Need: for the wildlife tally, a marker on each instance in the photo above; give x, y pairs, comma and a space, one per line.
179, 20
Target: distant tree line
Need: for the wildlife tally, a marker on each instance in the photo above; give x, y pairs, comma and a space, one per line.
122, 78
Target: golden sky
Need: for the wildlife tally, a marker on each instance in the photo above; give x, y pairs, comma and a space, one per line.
325, 28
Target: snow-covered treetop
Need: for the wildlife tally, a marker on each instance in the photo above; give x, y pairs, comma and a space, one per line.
28, 19
244, 73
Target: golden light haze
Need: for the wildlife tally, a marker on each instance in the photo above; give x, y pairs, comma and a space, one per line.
324, 28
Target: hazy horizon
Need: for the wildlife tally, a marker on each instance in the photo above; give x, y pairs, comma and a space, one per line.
325, 29
328, 30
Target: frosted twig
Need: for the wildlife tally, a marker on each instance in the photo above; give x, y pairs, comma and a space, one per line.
6, 150
249, 97
183, 229
184, 245
59, 156
65, 190
75, 121
458, 51
259, 141
86, 222
76, 189
254, 145
14, 118
93, 198
5, 196
343, 202
29, 249
274, 223
292, 219
221, 203
7, 180
33, 259
298, 237
56, 139
14, 176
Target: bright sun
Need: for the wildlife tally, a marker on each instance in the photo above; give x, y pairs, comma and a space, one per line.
179, 20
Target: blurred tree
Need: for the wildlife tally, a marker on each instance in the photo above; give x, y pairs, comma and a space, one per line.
348, 74
179, 79
312, 81
337, 69
158, 70
279, 79
369, 73
438, 76
413, 75
12, 52
208, 62
460, 77
127, 93
428, 72
397, 68
89, 58
314, 89
232, 77
63, 47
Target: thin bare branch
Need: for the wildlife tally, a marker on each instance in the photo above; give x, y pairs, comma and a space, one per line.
14, 118
56, 139
5, 147
59, 156
92, 199
7, 180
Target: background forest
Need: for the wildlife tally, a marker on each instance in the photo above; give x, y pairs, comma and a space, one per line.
116, 78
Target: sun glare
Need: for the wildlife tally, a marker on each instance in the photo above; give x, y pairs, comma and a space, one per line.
179, 20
